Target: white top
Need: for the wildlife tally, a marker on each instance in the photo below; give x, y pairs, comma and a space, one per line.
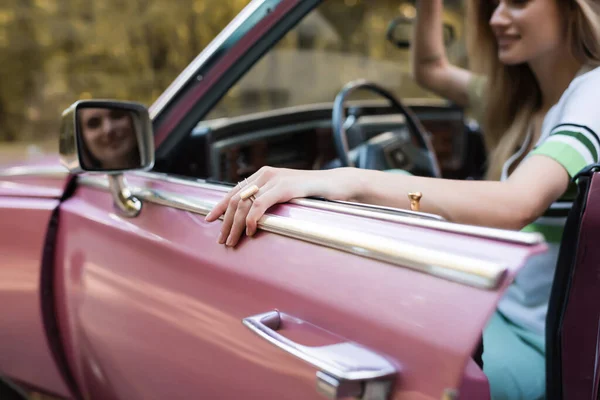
569, 136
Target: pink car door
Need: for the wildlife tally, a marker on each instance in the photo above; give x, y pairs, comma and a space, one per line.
28, 196
151, 307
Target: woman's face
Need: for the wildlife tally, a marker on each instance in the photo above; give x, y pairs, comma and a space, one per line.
109, 135
528, 30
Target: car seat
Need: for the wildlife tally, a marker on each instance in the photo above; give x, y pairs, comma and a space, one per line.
573, 319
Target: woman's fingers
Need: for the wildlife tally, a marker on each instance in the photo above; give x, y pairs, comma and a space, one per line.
239, 222
222, 205
260, 205
276, 193
231, 208
235, 226
248, 212
275, 186
228, 219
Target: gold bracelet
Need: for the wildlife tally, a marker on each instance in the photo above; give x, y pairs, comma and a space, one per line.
415, 198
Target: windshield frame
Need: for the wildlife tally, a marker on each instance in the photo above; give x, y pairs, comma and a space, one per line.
216, 45
202, 84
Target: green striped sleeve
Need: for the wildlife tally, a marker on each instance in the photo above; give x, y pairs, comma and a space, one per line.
573, 146
552, 233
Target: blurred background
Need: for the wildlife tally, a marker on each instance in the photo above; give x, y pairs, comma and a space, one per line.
54, 52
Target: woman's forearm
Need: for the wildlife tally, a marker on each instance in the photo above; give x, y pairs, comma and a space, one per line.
485, 203
511, 204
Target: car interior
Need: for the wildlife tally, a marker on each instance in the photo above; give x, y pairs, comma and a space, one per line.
302, 138
363, 109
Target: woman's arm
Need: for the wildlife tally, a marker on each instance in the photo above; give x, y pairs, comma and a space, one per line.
430, 65
511, 204
539, 180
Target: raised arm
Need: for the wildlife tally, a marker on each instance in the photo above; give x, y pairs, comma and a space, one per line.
430, 65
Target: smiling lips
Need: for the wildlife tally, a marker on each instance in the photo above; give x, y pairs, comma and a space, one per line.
505, 41
113, 140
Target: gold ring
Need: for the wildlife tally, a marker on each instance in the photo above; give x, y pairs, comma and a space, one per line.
249, 193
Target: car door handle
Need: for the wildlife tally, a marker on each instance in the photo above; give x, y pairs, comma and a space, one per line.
344, 369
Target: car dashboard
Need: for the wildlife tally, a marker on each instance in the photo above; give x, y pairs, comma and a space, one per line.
231, 149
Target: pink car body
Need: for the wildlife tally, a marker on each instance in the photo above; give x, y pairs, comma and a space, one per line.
152, 307
95, 305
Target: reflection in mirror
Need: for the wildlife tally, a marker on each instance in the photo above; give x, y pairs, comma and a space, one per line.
109, 138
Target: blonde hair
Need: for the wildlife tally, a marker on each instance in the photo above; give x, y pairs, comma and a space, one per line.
516, 95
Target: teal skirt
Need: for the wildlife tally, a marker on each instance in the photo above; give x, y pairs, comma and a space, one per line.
514, 361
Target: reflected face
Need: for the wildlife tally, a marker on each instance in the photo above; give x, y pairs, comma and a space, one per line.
527, 30
109, 135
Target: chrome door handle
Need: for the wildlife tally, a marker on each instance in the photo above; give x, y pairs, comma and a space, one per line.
344, 369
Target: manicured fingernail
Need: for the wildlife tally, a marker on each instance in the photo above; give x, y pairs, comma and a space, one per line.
229, 242
221, 239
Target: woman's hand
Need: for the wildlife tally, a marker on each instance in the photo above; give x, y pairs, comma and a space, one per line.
275, 185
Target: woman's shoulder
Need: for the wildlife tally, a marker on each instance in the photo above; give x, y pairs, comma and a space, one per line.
591, 72
572, 127
582, 96
587, 83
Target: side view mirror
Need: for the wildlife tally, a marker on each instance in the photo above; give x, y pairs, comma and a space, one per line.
399, 32
106, 136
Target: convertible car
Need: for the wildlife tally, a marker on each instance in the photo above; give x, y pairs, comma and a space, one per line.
113, 287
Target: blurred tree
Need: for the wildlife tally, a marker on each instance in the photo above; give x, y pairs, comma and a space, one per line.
54, 52
21, 65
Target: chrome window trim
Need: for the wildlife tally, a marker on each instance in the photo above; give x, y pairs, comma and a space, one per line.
472, 271
345, 207
34, 171
406, 217
173, 89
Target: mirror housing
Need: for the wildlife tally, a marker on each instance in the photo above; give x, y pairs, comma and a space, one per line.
106, 136
399, 32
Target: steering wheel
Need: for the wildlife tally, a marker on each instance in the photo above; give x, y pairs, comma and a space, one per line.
408, 148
